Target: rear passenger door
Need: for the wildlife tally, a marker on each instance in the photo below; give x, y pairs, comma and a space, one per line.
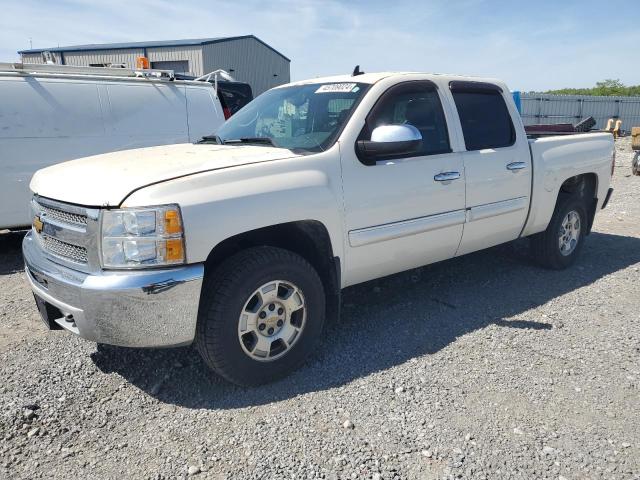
497, 165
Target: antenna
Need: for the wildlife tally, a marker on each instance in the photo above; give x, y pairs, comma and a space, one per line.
356, 71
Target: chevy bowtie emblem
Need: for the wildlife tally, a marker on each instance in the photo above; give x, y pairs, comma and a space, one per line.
37, 224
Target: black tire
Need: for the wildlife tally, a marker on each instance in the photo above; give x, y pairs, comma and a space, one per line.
545, 245
635, 164
224, 294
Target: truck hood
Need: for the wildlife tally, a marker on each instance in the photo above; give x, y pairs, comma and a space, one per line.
107, 179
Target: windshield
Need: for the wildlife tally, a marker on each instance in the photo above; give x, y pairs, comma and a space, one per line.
308, 118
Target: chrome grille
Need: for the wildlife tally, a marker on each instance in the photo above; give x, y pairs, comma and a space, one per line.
65, 250
67, 233
62, 216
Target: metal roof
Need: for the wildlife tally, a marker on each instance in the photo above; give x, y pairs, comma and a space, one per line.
153, 44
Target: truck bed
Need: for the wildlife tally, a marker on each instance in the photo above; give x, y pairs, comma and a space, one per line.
551, 133
558, 157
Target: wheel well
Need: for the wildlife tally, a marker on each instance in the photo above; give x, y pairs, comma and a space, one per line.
309, 239
584, 186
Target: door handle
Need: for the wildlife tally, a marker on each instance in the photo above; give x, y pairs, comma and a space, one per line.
446, 176
515, 166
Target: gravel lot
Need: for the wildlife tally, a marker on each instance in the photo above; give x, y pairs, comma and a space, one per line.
480, 367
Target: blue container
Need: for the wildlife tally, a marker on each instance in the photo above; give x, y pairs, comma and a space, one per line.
517, 100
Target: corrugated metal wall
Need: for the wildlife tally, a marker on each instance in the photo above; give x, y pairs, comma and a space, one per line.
83, 59
547, 108
193, 54
247, 59
36, 58
251, 62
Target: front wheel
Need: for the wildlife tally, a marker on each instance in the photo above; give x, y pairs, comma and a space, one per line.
262, 313
559, 245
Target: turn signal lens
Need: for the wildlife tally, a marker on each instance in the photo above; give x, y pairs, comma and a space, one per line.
172, 223
175, 250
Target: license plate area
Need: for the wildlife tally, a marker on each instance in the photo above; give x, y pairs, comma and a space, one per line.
48, 313
40, 279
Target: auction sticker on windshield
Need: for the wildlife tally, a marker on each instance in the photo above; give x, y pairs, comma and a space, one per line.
336, 88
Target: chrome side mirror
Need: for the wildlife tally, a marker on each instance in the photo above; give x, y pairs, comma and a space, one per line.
389, 141
395, 133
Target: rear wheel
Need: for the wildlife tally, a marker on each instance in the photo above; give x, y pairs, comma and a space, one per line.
559, 245
262, 313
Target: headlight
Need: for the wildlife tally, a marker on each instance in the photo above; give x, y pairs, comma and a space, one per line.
141, 237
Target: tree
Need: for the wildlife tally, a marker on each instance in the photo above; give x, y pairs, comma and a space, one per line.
604, 88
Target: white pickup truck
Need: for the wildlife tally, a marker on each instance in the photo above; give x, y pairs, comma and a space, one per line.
242, 243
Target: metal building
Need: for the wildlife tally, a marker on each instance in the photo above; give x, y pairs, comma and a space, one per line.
550, 108
246, 57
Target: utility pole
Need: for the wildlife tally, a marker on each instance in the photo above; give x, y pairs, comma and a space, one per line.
30, 43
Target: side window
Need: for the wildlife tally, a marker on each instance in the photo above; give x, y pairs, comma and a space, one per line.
412, 103
485, 119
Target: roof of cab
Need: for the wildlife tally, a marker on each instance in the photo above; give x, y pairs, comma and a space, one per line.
372, 78
362, 78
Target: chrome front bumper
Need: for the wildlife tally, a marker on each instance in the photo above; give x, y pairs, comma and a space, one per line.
142, 308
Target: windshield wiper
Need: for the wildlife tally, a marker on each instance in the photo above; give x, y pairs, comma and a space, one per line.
258, 140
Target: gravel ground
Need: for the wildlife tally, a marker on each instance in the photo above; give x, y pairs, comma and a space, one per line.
480, 367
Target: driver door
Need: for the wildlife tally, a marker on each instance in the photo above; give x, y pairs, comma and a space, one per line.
402, 212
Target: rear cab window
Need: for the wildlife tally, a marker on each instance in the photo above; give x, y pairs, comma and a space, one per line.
484, 116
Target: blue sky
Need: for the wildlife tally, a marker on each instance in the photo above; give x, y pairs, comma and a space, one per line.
531, 45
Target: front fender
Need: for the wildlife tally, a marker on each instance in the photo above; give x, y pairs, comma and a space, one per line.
219, 204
